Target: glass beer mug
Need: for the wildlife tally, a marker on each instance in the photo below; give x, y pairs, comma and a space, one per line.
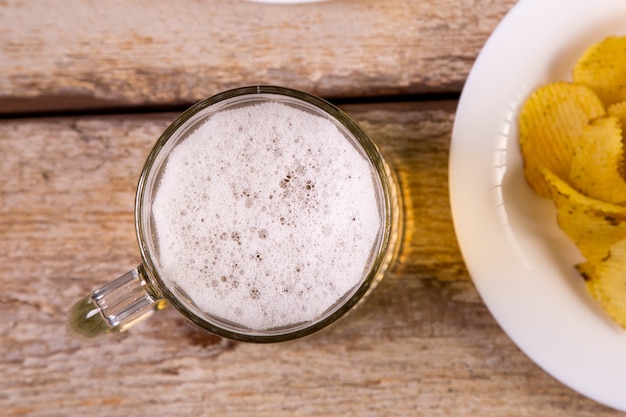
263, 214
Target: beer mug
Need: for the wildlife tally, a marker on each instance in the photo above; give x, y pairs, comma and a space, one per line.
263, 214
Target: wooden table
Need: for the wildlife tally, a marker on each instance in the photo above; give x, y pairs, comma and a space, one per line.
85, 90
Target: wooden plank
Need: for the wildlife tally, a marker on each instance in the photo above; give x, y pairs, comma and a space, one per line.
422, 344
82, 55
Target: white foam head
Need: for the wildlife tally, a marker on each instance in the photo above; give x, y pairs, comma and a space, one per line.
266, 215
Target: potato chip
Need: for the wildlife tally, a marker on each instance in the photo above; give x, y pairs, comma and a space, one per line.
602, 67
550, 120
618, 110
593, 225
607, 283
572, 141
598, 159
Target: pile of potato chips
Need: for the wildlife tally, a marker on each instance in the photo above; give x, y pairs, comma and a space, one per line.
572, 137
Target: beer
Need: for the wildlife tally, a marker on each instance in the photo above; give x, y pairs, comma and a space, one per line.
266, 216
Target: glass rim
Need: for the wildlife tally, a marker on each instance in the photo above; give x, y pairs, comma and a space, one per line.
376, 267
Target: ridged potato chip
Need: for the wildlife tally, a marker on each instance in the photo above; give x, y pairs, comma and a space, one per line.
551, 119
593, 225
572, 141
618, 110
607, 283
597, 161
602, 67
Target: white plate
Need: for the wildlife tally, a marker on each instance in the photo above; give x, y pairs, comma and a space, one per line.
521, 263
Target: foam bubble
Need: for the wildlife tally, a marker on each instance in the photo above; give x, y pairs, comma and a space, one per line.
282, 205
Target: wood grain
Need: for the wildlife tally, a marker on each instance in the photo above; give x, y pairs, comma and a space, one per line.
80, 55
422, 345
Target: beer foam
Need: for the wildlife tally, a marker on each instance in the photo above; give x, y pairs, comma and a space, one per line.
265, 216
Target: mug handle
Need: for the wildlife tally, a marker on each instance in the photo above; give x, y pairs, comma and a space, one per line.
116, 306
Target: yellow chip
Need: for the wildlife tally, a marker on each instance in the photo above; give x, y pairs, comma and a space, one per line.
607, 283
598, 159
550, 120
594, 226
572, 140
602, 67
618, 110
